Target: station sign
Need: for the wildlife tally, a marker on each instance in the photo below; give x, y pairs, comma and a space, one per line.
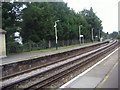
81, 35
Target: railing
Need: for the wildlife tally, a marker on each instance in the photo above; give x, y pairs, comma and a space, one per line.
14, 47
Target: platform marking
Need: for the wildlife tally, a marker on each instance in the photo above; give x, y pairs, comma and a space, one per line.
63, 86
106, 77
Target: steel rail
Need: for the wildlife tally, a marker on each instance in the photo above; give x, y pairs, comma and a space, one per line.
55, 77
56, 67
31, 69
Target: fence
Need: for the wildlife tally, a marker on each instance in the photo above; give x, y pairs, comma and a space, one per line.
14, 47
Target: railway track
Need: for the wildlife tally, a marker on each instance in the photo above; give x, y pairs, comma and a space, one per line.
46, 77
80, 51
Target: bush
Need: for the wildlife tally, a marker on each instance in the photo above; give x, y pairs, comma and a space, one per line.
28, 46
14, 47
118, 37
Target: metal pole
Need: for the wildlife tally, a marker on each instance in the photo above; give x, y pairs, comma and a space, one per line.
107, 35
79, 34
56, 34
92, 35
83, 40
99, 35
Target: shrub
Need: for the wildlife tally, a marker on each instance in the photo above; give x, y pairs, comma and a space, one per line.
14, 47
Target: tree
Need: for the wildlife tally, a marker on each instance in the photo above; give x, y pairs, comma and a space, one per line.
37, 21
11, 20
93, 21
11, 16
113, 35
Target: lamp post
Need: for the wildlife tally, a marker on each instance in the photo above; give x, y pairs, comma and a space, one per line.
80, 33
55, 26
96, 38
107, 36
92, 35
99, 35
83, 39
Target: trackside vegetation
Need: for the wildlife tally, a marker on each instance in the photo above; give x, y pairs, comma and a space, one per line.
35, 22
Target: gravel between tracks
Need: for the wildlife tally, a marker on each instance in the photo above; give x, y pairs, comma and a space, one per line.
11, 80
38, 71
65, 79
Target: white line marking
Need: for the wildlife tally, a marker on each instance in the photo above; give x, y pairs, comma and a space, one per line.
63, 86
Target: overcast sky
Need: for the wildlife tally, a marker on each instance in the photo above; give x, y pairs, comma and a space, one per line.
106, 10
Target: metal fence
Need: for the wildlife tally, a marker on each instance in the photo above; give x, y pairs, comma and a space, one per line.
14, 47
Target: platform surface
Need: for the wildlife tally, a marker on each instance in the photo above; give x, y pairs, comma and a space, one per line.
27, 56
102, 75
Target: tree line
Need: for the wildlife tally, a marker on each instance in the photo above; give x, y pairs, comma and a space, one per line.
36, 21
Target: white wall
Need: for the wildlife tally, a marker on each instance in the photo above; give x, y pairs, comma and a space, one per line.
2, 45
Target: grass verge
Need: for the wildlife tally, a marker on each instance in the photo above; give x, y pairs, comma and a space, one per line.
59, 48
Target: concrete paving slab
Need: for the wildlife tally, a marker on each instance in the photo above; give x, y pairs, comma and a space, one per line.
95, 75
27, 56
86, 82
111, 80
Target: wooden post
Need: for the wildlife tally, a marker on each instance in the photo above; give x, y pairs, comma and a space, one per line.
49, 44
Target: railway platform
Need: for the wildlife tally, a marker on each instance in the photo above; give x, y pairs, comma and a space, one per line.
103, 74
28, 56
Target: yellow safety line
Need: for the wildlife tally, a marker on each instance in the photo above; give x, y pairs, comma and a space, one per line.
106, 77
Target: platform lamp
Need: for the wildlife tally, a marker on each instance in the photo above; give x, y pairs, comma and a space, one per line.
55, 26
92, 35
80, 33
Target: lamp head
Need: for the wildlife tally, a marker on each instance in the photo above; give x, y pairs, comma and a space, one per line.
58, 21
